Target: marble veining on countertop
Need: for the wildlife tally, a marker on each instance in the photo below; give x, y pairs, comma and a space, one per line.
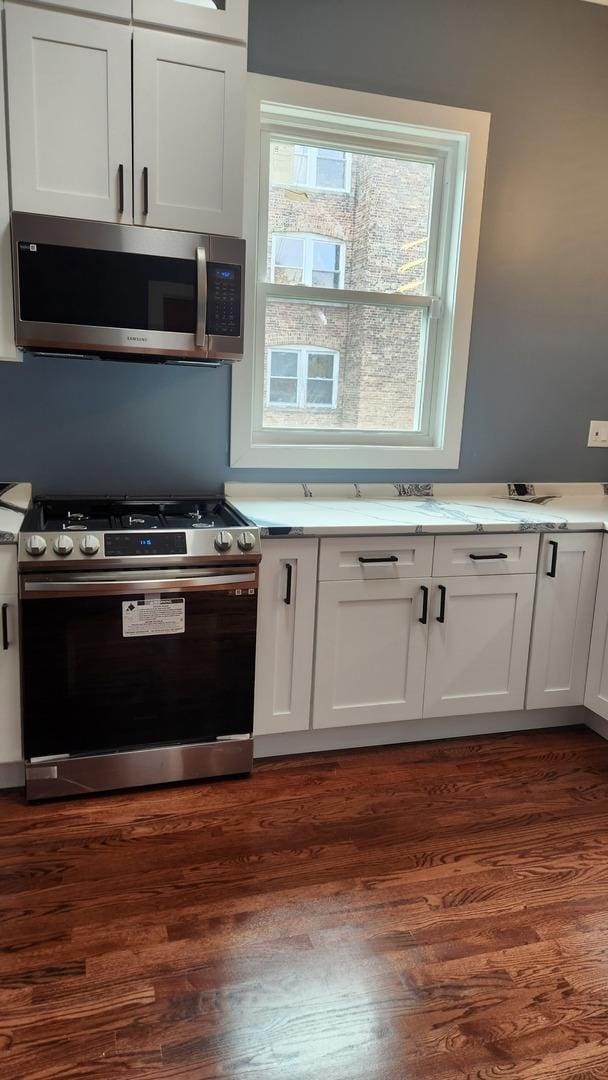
13, 503
358, 509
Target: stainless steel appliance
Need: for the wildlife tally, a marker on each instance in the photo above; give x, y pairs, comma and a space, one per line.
138, 625
117, 290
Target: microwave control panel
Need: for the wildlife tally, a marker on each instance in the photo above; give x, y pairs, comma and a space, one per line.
224, 300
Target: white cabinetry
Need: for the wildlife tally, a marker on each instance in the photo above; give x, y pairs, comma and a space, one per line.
285, 642
563, 617
227, 20
69, 104
188, 132
596, 694
479, 637
111, 9
7, 330
370, 651
10, 716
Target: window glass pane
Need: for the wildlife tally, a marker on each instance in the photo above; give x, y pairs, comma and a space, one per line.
284, 363
381, 360
284, 391
320, 366
288, 251
325, 256
383, 220
331, 171
319, 392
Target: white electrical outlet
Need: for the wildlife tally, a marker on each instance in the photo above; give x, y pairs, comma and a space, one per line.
598, 433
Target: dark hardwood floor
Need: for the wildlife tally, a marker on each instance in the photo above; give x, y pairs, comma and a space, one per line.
436, 911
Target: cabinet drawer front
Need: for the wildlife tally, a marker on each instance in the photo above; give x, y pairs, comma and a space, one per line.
474, 555
369, 558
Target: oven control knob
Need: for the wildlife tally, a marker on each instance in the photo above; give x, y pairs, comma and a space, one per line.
63, 545
35, 545
89, 545
223, 541
246, 541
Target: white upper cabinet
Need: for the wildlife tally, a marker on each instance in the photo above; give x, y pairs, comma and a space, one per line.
215, 18
189, 134
370, 651
563, 616
286, 628
479, 638
69, 105
7, 332
112, 9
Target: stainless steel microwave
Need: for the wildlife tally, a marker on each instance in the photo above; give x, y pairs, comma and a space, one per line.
88, 287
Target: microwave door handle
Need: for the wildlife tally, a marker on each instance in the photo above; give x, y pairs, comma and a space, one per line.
201, 298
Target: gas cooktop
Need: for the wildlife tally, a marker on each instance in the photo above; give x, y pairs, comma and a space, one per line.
85, 529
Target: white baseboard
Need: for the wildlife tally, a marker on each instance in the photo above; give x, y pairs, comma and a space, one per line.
12, 775
303, 742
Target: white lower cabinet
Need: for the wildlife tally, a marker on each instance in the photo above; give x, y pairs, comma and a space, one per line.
370, 651
479, 637
596, 693
286, 634
10, 706
563, 618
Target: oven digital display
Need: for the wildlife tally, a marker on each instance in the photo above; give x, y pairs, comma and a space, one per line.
156, 543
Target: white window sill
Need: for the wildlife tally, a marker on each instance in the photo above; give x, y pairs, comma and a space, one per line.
281, 456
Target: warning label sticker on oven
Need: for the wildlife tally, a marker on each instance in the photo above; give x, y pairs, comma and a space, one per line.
149, 618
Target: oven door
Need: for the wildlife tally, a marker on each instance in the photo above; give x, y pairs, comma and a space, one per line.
83, 286
112, 661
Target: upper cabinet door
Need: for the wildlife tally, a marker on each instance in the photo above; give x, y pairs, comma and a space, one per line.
69, 105
188, 100
112, 9
216, 18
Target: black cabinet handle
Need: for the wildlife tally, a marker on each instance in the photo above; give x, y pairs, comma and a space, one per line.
552, 572
442, 593
425, 604
287, 597
146, 175
121, 189
380, 559
5, 641
488, 558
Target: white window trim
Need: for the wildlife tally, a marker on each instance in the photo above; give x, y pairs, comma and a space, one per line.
311, 174
309, 240
303, 353
465, 136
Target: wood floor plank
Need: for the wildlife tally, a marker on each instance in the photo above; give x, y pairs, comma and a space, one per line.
436, 911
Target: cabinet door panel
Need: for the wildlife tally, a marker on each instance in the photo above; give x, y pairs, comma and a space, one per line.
286, 624
218, 18
10, 713
563, 618
370, 652
188, 125
478, 658
8, 570
596, 693
69, 103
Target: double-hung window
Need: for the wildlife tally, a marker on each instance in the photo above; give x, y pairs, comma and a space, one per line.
364, 227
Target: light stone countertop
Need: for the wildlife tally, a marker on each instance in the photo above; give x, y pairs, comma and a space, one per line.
322, 516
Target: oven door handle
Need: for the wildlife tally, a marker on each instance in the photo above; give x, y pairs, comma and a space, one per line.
80, 585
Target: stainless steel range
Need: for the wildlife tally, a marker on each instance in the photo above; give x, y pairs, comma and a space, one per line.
138, 621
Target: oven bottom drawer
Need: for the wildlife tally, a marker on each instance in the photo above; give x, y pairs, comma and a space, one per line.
137, 768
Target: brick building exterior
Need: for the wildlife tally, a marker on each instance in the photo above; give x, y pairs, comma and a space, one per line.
382, 223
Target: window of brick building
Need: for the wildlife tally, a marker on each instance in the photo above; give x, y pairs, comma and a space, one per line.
365, 227
302, 378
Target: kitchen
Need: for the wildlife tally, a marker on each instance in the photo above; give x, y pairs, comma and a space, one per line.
432, 588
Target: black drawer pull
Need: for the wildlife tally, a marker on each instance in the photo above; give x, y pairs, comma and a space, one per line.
146, 178
488, 558
425, 604
121, 189
552, 572
443, 594
379, 559
5, 641
287, 597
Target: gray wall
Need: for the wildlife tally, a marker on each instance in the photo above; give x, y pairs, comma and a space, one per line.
539, 351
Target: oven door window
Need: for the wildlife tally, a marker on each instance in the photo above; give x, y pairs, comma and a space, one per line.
89, 689
86, 287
